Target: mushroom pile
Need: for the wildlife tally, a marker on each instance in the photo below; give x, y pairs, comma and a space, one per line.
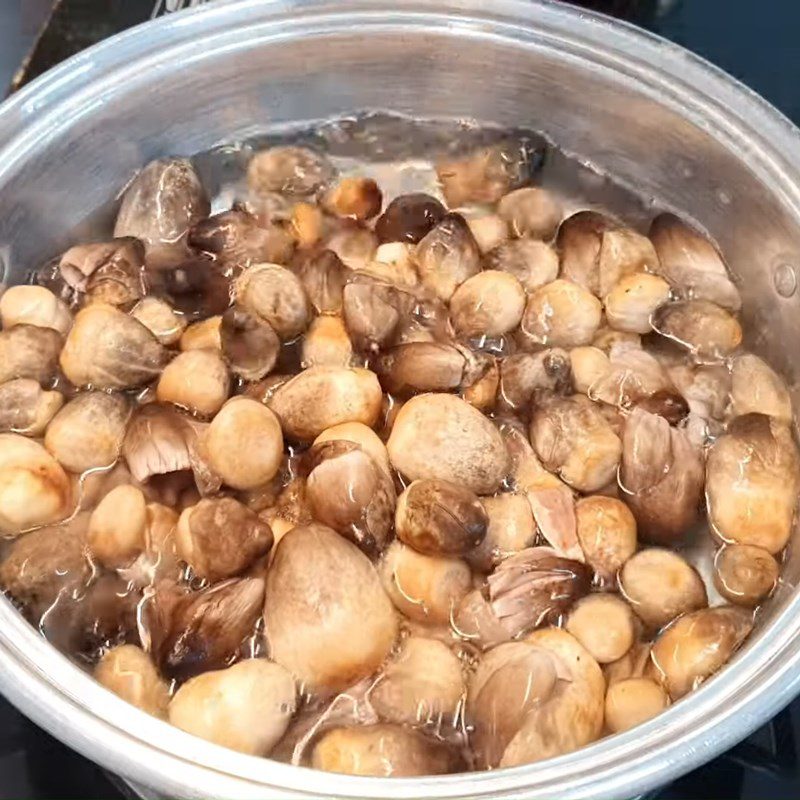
389, 488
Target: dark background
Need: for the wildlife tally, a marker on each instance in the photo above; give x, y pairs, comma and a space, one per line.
757, 41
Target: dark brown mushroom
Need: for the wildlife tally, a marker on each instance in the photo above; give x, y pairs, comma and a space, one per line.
198, 631
249, 343
447, 256
372, 311
196, 286
409, 217
525, 376
219, 538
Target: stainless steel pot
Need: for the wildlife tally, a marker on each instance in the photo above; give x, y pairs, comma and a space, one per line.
655, 116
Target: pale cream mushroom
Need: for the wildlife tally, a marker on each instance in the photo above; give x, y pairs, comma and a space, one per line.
606, 531
160, 319
757, 388
381, 751
623, 253
415, 367
425, 588
88, 431
34, 489
246, 707
26, 408
354, 244
196, 380
162, 202
561, 314
442, 436
695, 646
745, 575
436, 517
574, 439
107, 349
752, 480
219, 538
117, 527
275, 294
489, 230
510, 528
330, 625
359, 434
422, 685
532, 262
203, 335
633, 701
34, 305
531, 211
31, 352
660, 585
604, 625
589, 366
321, 397
327, 343
488, 304
244, 443
288, 169
631, 303
447, 256
129, 672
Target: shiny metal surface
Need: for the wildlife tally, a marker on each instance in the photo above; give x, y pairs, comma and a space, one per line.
648, 112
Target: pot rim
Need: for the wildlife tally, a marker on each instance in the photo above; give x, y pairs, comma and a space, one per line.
56, 694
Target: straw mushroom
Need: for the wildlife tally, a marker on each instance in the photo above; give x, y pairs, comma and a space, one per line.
532, 262
744, 575
490, 231
757, 388
561, 314
29, 351
660, 585
510, 528
603, 624
372, 311
276, 295
633, 701
34, 305
203, 335
358, 198
442, 436
489, 304
606, 530
327, 343
632, 302
246, 707
332, 625
197, 380
363, 436
409, 217
128, 672
527, 376
34, 489
416, 367
117, 527
707, 330
26, 408
160, 319
289, 170
531, 211
323, 277
752, 480
244, 443
219, 538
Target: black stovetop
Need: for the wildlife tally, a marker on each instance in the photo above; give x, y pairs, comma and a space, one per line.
756, 42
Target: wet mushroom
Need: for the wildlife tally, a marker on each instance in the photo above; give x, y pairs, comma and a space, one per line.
633, 701
561, 314
220, 538
604, 625
321, 397
633, 301
436, 517
579, 240
358, 198
691, 263
307, 225
408, 218
34, 489
425, 588
203, 335
249, 343
488, 304
532, 262
348, 491
752, 480
34, 305
422, 685
26, 408
327, 343
363, 436
756, 387
744, 575
695, 646
323, 276
276, 295
574, 439
28, 351
196, 380
510, 528
381, 751
531, 211
524, 377
660, 585
372, 312
442, 436
707, 330
447, 255
88, 431
662, 476
589, 365
107, 349
197, 287
192, 632
490, 231
116, 534
417, 367
160, 319
128, 672
162, 202
332, 625
246, 707
606, 530
288, 169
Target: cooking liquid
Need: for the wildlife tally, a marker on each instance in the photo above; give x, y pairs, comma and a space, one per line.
398, 153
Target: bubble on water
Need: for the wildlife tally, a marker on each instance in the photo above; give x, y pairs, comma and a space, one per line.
784, 279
